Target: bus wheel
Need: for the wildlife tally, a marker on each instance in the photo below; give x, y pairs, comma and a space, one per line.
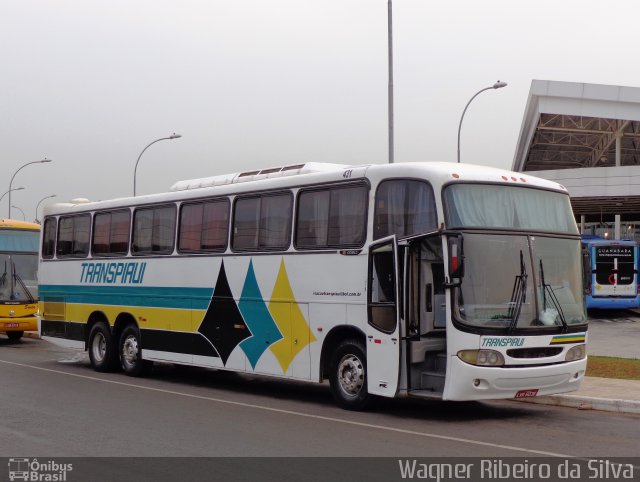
130, 350
15, 335
102, 351
348, 377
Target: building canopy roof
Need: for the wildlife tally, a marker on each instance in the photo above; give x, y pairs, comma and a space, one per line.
571, 125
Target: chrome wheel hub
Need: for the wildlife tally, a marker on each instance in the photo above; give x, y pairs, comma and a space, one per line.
130, 351
351, 375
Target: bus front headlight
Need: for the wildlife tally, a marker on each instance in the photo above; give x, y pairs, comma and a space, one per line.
577, 352
486, 358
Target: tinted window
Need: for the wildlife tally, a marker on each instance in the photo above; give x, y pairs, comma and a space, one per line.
245, 223
111, 233
262, 223
615, 264
275, 222
313, 219
404, 208
154, 230
49, 238
347, 219
73, 236
204, 226
334, 217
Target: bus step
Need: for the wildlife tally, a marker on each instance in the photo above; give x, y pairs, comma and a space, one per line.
432, 381
441, 362
425, 394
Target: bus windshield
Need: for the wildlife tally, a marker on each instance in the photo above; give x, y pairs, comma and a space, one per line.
510, 207
18, 276
520, 282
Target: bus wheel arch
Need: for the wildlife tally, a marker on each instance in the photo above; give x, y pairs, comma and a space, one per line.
122, 321
332, 340
101, 344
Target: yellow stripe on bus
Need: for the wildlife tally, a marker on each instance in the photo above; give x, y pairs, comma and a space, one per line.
157, 318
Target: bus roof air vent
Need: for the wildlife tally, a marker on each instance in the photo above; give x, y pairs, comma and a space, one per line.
248, 176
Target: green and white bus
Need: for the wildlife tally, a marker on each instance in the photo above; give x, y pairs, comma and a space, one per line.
432, 280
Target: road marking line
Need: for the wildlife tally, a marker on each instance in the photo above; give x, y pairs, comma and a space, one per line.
299, 414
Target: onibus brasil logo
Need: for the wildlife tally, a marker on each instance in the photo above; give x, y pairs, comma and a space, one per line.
32, 470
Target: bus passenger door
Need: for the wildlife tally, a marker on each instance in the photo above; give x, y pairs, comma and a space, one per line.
383, 335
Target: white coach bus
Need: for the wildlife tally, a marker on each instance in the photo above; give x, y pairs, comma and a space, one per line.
431, 280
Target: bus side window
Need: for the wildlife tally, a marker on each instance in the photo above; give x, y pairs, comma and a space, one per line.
49, 238
73, 236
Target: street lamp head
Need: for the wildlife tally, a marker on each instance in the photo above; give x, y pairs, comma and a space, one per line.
175, 136
17, 188
498, 85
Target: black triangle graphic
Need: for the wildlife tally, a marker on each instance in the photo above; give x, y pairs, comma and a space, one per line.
223, 324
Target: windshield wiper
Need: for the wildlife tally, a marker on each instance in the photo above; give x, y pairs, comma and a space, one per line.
518, 295
548, 290
15, 280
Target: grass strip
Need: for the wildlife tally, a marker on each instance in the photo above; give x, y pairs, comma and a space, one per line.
611, 367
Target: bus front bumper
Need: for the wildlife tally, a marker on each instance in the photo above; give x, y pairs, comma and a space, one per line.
26, 323
471, 382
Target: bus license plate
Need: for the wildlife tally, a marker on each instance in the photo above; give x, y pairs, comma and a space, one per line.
526, 393
11, 325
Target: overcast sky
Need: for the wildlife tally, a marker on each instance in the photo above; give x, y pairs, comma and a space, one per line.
257, 83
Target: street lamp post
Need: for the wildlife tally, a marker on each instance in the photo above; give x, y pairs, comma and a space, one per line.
135, 170
7, 192
497, 85
390, 82
14, 175
38, 205
16, 207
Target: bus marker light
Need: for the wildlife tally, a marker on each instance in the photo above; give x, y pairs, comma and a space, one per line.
505, 178
455, 176
513, 178
523, 179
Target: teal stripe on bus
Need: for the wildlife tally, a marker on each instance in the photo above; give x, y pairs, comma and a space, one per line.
147, 296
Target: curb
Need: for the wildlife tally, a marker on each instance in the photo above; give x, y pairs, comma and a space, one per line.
589, 403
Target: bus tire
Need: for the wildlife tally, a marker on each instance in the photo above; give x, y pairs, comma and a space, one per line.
348, 376
102, 350
15, 335
130, 352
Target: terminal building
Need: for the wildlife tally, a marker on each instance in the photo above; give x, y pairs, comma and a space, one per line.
587, 138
